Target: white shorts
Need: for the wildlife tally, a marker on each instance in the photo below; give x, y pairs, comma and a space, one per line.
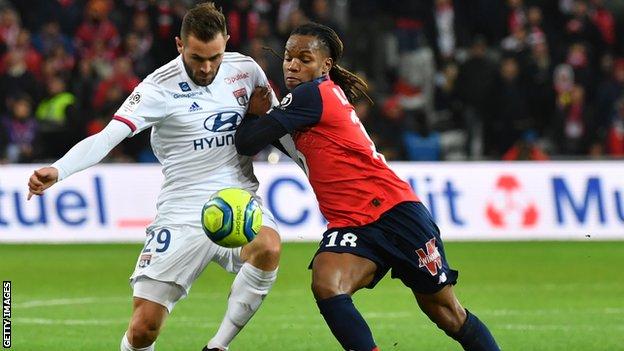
178, 254
163, 293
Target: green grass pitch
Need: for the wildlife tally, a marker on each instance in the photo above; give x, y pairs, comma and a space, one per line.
533, 296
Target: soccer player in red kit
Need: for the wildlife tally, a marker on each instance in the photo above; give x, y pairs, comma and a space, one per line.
376, 223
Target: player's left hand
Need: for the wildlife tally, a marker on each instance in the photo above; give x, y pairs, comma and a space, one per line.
259, 101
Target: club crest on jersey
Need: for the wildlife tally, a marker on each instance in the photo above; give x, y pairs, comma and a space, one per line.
430, 259
241, 96
286, 100
184, 86
145, 260
223, 121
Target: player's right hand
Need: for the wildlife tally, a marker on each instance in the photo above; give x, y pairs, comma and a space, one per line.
41, 179
259, 101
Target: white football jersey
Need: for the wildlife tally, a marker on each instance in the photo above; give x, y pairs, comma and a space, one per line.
193, 131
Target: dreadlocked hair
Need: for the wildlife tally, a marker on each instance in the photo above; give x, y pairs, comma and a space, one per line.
352, 85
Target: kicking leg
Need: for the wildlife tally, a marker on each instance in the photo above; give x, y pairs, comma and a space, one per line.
335, 277
446, 312
251, 285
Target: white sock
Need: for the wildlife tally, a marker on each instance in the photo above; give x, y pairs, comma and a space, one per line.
249, 288
125, 345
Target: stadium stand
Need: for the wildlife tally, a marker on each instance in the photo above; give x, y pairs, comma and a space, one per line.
468, 79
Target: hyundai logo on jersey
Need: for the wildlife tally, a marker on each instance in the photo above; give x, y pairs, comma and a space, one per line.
223, 121
184, 86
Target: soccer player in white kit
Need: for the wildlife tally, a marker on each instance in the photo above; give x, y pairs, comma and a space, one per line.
193, 104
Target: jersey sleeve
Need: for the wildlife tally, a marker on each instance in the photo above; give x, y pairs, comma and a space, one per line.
262, 80
145, 107
299, 109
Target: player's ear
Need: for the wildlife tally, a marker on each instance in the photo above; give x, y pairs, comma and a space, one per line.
179, 44
327, 65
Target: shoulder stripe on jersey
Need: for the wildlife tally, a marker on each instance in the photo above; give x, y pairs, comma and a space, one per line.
235, 54
168, 76
159, 75
242, 58
156, 74
126, 122
238, 60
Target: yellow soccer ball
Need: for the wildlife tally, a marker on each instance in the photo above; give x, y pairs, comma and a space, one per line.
231, 217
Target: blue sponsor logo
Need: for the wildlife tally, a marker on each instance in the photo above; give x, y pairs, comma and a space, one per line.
435, 198
195, 107
287, 184
184, 86
223, 121
187, 95
216, 141
69, 206
442, 202
593, 200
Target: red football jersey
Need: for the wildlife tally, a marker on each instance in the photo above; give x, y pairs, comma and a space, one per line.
353, 184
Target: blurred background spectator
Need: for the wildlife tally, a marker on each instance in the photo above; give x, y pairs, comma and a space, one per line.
451, 79
19, 129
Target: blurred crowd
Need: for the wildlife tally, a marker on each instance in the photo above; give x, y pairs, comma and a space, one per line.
451, 79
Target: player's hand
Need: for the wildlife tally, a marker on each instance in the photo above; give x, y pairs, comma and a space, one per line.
41, 179
260, 101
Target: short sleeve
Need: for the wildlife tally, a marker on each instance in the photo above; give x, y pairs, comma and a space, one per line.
262, 80
299, 109
145, 107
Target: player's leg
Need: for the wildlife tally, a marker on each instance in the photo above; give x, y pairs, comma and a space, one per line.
251, 284
168, 264
147, 318
264, 251
335, 277
446, 312
153, 301
416, 252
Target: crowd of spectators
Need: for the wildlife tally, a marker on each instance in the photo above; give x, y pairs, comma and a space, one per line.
451, 79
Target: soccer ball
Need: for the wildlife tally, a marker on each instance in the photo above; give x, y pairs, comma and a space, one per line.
231, 218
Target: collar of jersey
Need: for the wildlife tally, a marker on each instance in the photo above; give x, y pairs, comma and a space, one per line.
321, 78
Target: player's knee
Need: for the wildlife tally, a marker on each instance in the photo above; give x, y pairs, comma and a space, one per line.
143, 333
263, 252
323, 289
269, 247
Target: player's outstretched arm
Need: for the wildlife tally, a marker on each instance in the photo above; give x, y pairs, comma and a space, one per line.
256, 132
83, 155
